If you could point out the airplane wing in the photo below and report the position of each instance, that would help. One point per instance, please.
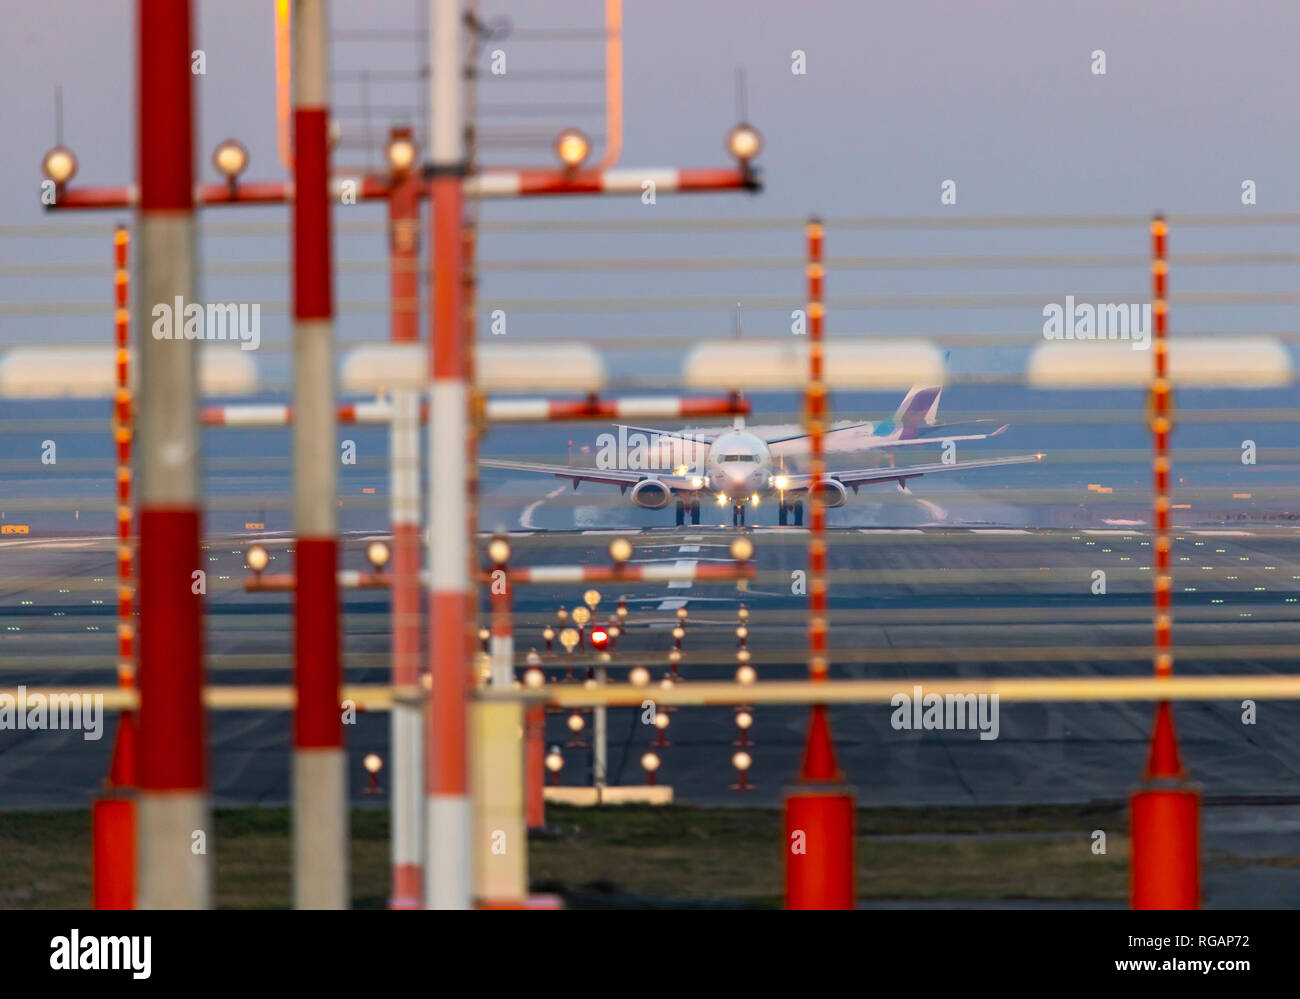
(608, 477)
(704, 435)
(858, 437)
(856, 478)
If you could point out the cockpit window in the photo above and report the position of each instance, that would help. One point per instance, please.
(740, 457)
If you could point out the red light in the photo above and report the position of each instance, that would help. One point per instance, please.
(599, 638)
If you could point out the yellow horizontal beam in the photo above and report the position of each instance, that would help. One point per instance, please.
(1126, 688)
(380, 697)
(366, 697)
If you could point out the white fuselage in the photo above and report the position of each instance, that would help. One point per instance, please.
(738, 466)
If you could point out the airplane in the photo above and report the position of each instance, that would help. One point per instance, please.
(740, 466)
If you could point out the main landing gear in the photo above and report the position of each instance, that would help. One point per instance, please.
(694, 508)
(783, 515)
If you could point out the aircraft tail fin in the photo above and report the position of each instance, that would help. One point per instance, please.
(918, 409)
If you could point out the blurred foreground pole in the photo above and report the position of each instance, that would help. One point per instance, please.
(175, 835)
(502, 645)
(1165, 869)
(449, 862)
(320, 799)
(819, 867)
(113, 814)
(407, 721)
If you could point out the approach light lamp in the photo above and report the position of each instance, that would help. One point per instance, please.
(499, 550)
(401, 152)
(377, 554)
(572, 147)
(744, 143)
(59, 165)
(257, 558)
(231, 159)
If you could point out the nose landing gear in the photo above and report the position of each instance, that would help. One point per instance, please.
(738, 515)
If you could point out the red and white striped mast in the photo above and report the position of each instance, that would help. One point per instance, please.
(448, 875)
(407, 721)
(113, 819)
(819, 865)
(173, 803)
(320, 799)
(1165, 840)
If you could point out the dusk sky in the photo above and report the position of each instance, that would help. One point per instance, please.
(997, 96)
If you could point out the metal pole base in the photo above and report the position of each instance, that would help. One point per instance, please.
(820, 872)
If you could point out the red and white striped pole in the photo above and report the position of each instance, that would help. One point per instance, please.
(407, 721)
(1165, 872)
(819, 866)
(173, 803)
(113, 819)
(320, 799)
(448, 875)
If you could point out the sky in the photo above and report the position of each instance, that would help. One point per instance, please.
(999, 96)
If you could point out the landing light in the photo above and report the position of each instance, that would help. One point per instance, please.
(780, 482)
(722, 499)
(754, 499)
(696, 482)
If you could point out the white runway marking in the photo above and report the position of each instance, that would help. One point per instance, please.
(890, 530)
(526, 518)
(683, 584)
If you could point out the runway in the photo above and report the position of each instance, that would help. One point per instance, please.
(905, 603)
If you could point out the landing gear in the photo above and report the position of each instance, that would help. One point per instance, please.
(681, 512)
(738, 515)
(783, 515)
(798, 514)
(695, 511)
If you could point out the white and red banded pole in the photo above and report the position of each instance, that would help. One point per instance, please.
(819, 867)
(503, 640)
(173, 804)
(407, 721)
(448, 825)
(320, 801)
(1165, 872)
(113, 813)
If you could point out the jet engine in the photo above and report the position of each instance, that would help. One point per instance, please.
(651, 494)
(833, 493)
